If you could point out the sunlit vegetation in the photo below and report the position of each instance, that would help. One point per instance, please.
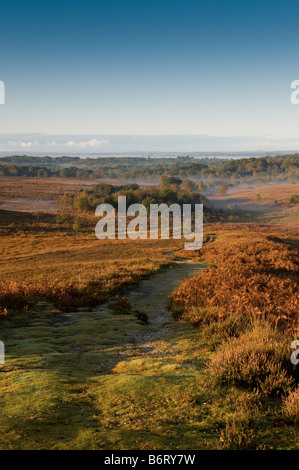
(251, 275)
(246, 306)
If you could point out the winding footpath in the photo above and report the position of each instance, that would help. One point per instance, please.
(79, 380)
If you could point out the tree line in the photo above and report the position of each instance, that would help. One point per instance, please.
(237, 171)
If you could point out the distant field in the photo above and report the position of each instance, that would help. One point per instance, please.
(47, 188)
(270, 203)
(26, 204)
(40, 188)
(269, 194)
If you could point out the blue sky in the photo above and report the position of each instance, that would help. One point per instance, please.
(216, 68)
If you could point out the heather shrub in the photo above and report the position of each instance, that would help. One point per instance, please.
(291, 406)
(68, 297)
(13, 296)
(200, 316)
(224, 328)
(257, 278)
(258, 359)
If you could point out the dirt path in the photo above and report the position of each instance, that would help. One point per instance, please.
(151, 297)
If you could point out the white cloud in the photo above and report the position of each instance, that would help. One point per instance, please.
(89, 143)
(92, 144)
(26, 144)
(21, 144)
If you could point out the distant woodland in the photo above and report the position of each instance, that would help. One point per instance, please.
(208, 170)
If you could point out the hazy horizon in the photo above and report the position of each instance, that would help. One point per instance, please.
(45, 144)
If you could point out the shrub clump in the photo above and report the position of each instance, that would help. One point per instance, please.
(121, 305)
(291, 406)
(19, 297)
(257, 359)
(142, 316)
